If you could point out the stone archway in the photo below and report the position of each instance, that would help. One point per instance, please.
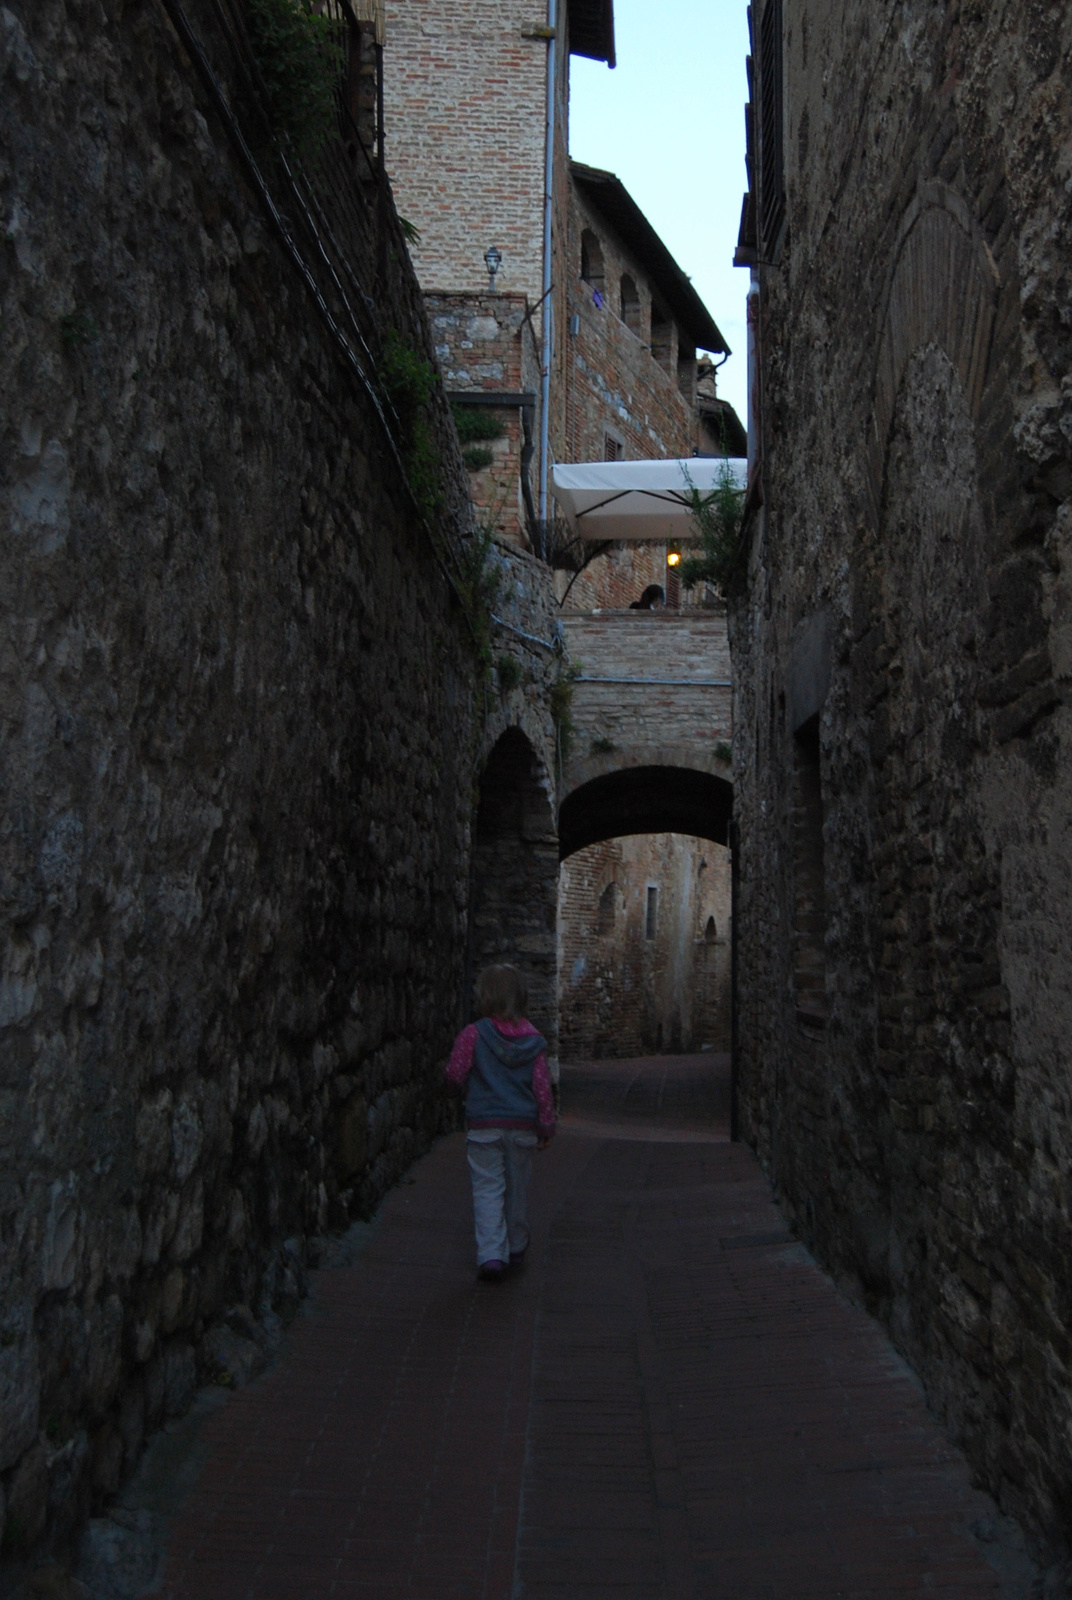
(514, 890)
(637, 976)
(648, 799)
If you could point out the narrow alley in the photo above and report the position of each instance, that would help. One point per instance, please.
(669, 1400)
(556, 512)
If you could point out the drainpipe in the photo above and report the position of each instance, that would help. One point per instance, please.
(548, 312)
(752, 304)
(735, 1037)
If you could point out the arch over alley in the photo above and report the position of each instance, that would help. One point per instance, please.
(660, 798)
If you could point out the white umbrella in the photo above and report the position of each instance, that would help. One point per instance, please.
(638, 499)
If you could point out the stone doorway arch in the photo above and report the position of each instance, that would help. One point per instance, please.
(513, 895)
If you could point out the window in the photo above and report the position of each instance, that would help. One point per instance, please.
(612, 448)
(710, 932)
(652, 912)
(809, 901)
(771, 151)
(592, 264)
(608, 906)
(662, 337)
(630, 304)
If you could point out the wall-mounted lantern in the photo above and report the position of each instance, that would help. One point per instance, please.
(493, 261)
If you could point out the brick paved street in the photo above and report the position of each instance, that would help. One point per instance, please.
(670, 1402)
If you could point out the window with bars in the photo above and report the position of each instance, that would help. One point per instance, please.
(612, 448)
(771, 135)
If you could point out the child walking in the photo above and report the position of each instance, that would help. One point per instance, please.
(500, 1063)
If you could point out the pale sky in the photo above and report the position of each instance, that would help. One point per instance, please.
(669, 120)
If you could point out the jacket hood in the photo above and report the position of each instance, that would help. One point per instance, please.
(511, 1052)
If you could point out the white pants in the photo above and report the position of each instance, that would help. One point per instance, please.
(500, 1165)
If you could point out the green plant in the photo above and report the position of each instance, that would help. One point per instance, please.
(479, 579)
(508, 672)
(717, 518)
(603, 747)
(409, 382)
(477, 456)
(475, 424)
(723, 752)
(560, 700)
(300, 56)
(78, 328)
(410, 232)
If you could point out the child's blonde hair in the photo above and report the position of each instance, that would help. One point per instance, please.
(501, 991)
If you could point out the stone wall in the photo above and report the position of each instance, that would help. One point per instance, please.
(514, 886)
(902, 730)
(238, 740)
(617, 722)
(636, 978)
(487, 343)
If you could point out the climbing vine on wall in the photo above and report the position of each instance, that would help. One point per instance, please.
(561, 705)
(409, 382)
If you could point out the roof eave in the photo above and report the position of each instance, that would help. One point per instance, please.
(591, 30)
(611, 198)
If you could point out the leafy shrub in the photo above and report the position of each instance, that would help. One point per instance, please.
(508, 672)
(717, 518)
(479, 582)
(475, 424)
(300, 57)
(477, 456)
(409, 382)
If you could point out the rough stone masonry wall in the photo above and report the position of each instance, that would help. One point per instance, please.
(909, 585)
(625, 990)
(487, 342)
(236, 729)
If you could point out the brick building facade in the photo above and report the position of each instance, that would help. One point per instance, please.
(466, 96)
(644, 947)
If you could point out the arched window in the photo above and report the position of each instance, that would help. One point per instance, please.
(608, 905)
(710, 932)
(662, 337)
(630, 304)
(592, 262)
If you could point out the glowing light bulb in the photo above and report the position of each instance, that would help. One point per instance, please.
(672, 558)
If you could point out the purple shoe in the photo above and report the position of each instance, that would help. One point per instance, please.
(490, 1271)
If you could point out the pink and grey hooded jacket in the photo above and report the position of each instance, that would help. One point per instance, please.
(502, 1067)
